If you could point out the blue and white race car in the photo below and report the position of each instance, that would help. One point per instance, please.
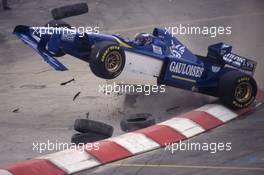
(221, 73)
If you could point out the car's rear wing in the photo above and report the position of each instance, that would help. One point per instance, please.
(25, 33)
(223, 51)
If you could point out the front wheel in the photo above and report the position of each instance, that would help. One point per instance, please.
(107, 60)
(237, 90)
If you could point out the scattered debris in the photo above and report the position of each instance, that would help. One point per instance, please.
(119, 93)
(172, 108)
(64, 83)
(106, 92)
(15, 110)
(75, 96)
(43, 71)
(87, 115)
(121, 112)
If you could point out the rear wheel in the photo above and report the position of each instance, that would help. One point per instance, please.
(107, 59)
(237, 89)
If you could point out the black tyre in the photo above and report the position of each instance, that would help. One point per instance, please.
(85, 125)
(57, 23)
(237, 90)
(69, 10)
(107, 59)
(84, 138)
(136, 121)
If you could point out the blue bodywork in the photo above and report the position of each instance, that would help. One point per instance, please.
(181, 68)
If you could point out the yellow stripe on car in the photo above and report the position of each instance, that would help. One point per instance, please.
(182, 78)
(122, 43)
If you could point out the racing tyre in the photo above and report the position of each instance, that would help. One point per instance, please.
(84, 138)
(136, 121)
(85, 125)
(237, 90)
(107, 59)
(69, 10)
(57, 23)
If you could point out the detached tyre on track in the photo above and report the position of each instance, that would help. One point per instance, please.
(136, 121)
(237, 90)
(107, 59)
(87, 126)
(69, 10)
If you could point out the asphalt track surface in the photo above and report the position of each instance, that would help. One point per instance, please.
(46, 110)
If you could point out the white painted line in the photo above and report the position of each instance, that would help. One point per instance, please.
(5, 172)
(135, 142)
(183, 125)
(219, 111)
(72, 161)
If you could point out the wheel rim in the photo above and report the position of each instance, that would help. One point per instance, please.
(243, 92)
(113, 61)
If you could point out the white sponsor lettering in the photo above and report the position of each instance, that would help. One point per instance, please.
(232, 58)
(216, 69)
(186, 69)
(67, 37)
(177, 50)
(157, 49)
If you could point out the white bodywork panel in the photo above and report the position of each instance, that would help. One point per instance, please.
(139, 69)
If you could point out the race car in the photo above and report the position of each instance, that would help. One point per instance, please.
(158, 54)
